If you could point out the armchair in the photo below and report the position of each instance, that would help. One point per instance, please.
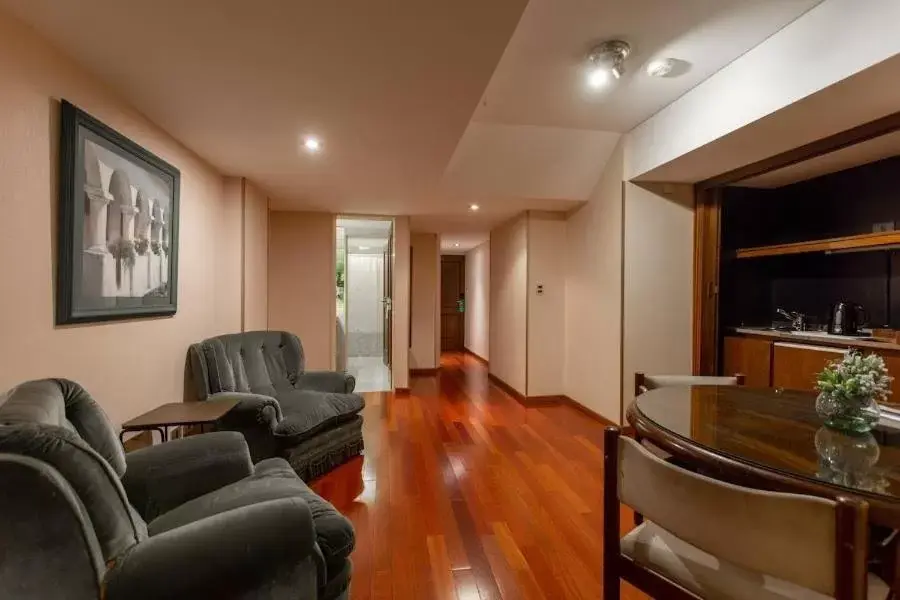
(191, 518)
(310, 418)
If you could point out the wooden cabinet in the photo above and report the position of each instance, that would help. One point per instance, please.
(750, 356)
(795, 366)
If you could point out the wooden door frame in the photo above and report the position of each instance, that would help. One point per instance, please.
(707, 228)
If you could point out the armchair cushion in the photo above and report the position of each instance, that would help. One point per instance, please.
(260, 550)
(162, 477)
(325, 381)
(306, 413)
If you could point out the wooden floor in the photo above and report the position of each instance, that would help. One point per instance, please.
(465, 494)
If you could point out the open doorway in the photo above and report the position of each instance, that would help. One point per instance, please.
(364, 279)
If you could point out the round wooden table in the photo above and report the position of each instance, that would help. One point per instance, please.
(772, 439)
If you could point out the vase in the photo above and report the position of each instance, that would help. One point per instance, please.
(853, 415)
(849, 460)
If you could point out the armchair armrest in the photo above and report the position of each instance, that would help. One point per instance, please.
(266, 548)
(159, 478)
(255, 416)
(325, 381)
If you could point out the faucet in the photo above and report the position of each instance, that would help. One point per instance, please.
(797, 319)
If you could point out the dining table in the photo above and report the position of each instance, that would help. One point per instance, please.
(773, 439)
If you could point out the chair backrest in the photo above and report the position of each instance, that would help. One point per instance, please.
(48, 548)
(806, 540)
(261, 362)
(643, 383)
(55, 421)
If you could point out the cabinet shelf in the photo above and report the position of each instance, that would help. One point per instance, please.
(850, 243)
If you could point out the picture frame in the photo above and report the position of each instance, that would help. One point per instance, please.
(117, 239)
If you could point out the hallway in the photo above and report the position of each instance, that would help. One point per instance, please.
(465, 494)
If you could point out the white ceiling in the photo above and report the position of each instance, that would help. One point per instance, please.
(423, 107)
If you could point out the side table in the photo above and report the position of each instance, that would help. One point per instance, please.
(175, 414)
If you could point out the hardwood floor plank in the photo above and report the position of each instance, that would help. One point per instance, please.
(465, 494)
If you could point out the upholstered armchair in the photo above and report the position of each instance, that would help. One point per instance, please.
(191, 518)
(310, 418)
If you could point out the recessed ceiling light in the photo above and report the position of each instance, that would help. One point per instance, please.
(456, 245)
(312, 144)
(474, 207)
(661, 67)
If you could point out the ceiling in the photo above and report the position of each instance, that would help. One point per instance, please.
(422, 109)
(853, 156)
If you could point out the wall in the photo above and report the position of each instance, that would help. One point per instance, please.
(478, 285)
(820, 48)
(659, 281)
(546, 311)
(365, 318)
(426, 335)
(301, 281)
(508, 300)
(255, 265)
(129, 366)
(593, 298)
(400, 352)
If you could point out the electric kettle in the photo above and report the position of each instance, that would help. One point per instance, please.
(847, 318)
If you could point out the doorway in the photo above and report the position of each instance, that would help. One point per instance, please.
(453, 302)
(364, 249)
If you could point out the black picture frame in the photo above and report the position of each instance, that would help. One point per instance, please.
(92, 244)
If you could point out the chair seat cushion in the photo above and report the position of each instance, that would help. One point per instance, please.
(306, 413)
(272, 479)
(705, 575)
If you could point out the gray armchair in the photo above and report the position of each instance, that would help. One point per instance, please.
(191, 518)
(310, 418)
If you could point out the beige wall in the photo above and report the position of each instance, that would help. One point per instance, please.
(593, 303)
(478, 284)
(255, 259)
(546, 311)
(659, 276)
(424, 300)
(301, 281)
(401, 305)
(129, 366)
(509, 286)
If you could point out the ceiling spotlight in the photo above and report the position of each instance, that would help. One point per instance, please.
(474, 207)
(605, 59)
(661, 67)
(312, 144)
(456, 245)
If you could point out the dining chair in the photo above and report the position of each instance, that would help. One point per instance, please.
(644, 383)
(705, 538)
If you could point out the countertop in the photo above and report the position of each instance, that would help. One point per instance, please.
(784, 336)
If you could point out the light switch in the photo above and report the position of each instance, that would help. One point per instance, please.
(540, 289)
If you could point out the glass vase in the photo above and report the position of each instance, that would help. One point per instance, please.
(853, 415)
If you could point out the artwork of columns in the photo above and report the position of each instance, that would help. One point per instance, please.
(125, 252)
(123, 214)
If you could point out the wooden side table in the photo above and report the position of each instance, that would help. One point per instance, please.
(175, 414)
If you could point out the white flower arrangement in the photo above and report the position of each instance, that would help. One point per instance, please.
(856, 376)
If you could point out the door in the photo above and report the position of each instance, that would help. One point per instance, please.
(387, 307)
(453, 290)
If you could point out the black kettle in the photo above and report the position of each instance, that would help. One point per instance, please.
(847, 318)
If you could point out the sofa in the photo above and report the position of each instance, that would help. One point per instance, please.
(191, 518)
(310, 418)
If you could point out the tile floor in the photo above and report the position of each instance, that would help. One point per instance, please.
(372, 375)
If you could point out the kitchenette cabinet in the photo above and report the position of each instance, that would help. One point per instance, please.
(795, 366)
(750, 356)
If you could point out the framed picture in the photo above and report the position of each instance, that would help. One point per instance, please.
(118, 226)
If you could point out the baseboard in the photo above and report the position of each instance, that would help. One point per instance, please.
(555, 400)
(506, 387)
(477, 357)
(424, 372)
(587, 411)
(401, 391)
